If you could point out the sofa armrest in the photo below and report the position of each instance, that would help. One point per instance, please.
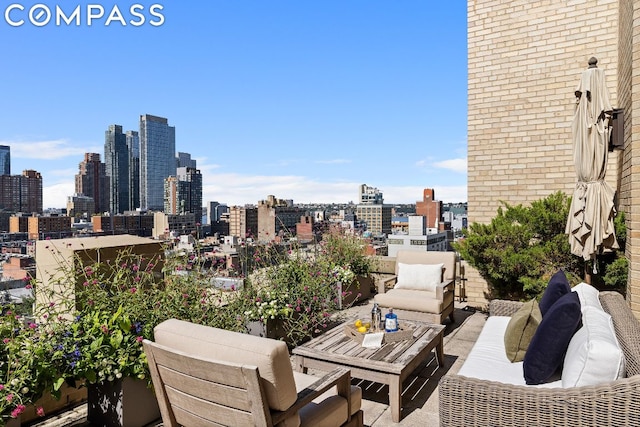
(386, 282)
(340, 377)
(472, 402)
(499, 307)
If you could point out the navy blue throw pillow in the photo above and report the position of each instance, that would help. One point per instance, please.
(549, 344)
(558, 286)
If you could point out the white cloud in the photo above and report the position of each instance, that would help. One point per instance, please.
(237, 189)
(454, 165)
(55, 196)
(333, 161)
(48, 150)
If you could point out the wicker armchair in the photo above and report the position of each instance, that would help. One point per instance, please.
(472, 402)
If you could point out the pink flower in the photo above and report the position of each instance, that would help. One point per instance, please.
(6, 341)
(32, 326)
(9, 397)
(139, 339)
(137, 278)
(40, 411)
(133, 290)
(1, 386)
(19, 409)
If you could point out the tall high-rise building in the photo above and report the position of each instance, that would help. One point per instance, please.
(133, 145)
(5, 160)
(116, 159)
(184, 161)
(21, 193)
(372, 211)
(172, 204)
(215, 210)
(92, 181)
(191, 189)
(157, 159)
(369, 195)
(183, 192)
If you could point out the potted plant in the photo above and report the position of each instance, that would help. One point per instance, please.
(99, 343)
(348, 252)
(23, 370)
(290, 288)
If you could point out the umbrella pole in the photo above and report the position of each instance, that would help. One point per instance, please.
(587, 274)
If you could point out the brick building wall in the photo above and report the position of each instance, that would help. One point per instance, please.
(629, 86)
(524, 61)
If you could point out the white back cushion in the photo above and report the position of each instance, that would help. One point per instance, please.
(588, 295)
(593, 356)
(422, 277)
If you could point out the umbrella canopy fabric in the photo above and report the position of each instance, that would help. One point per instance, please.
(590, 223)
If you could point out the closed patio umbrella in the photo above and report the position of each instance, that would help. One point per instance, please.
(590, 223)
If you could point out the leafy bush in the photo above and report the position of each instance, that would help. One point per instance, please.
(522, 247)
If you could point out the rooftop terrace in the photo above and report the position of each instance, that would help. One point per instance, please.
(420, 396)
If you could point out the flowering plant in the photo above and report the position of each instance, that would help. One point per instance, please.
(343, 274)
(293, 285)
(347, 250)
(23, 370)
(96, 333)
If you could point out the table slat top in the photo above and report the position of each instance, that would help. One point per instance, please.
(335, 346)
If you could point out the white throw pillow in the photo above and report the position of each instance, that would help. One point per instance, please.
(588, 295)
(422, 277)
(594, 355)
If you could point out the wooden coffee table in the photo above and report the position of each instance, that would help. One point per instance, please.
(391, 364)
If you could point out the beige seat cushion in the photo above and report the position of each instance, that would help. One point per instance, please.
(413, 300)
(328, 409)
(270, 356)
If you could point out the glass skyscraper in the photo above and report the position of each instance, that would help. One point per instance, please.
(157, 159)
(116, 159)
(133, 144)
(5, 160)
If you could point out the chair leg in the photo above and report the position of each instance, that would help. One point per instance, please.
(357, 420)
(451, 317)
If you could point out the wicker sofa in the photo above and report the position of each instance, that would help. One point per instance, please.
(469, 402)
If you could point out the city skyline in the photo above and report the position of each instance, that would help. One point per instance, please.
(302, 101)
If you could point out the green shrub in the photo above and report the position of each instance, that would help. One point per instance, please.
(519, 250)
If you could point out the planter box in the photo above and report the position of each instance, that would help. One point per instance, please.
(273, 328)
(123, 403)
(69, 398)
(360, 285)
(13, 422)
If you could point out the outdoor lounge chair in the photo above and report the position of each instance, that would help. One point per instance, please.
(209, 376)
(421, 290)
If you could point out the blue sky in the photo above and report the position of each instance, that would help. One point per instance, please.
(305, 100)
